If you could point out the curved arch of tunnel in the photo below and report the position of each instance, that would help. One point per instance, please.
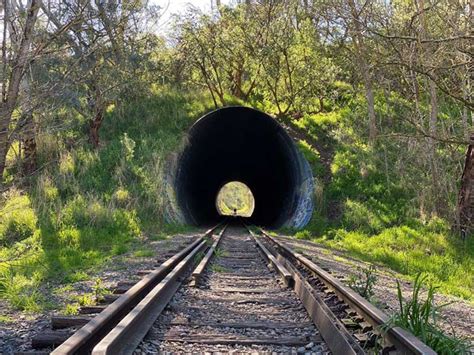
(238, 144)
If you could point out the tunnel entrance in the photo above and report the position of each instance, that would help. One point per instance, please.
(235, 199)
(246, 145)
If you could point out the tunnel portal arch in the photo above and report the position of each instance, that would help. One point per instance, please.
(242, 144)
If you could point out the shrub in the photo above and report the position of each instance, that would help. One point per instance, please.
(420, 316)
(17, 219)
(358, 216)
(121, 197)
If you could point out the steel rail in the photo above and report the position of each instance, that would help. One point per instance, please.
(286, 276)
(336, 336)
(404, 341)
(84, 340)
(198, 272)
(125, 336)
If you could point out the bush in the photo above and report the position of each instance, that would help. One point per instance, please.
(419, 316)
(121, 197)
(357, 216)
(17, 219)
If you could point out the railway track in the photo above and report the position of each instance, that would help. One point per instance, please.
(356, 321)
(236, 292)
(238, 306)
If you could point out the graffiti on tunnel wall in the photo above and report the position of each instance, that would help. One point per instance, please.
(305, 205)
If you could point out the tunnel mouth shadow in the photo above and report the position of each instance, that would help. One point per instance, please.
(246, 145)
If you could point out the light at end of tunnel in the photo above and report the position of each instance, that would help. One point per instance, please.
(235, 199)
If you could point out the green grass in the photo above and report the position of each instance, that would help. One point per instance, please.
(88, 206)
(143, 253)
(6, 319)
(410, 250)
(420, 316)
(373, 194)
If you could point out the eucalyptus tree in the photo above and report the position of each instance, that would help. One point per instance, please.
(101, 53)
(17, 37)
(26, 36)
(265, 50)
(425, 48)
(296, 75)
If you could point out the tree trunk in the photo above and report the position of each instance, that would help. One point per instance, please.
(465, 125)
(236, 88)
(29, 164)
(466, 194)
(362, 61)
(3, 143)
(97, 106)
(18, 65)
(94, 127)
(432, 146)
(465, 110)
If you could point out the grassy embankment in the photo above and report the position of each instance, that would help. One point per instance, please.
(86, 206)
(372, 192)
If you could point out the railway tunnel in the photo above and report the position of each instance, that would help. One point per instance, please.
(245, 145)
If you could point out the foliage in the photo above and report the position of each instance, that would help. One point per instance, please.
(364, 281)
(370, 206)
(420, 317)
(92, 205)
(99, 290)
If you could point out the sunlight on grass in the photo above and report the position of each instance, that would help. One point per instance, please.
(92, 205)
(446, 260)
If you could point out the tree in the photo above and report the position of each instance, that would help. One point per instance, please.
(465, 209)
(360, 50)
(17, 38)
(101, 46)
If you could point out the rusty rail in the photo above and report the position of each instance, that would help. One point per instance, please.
(404, 341)
(127, 334)
(84, 340)
(198, 272)
(285, 275)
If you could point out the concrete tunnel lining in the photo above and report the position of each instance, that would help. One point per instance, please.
(243, 144)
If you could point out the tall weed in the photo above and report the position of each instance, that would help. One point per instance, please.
(419, 315)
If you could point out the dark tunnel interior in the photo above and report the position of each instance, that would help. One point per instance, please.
(238, 144)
